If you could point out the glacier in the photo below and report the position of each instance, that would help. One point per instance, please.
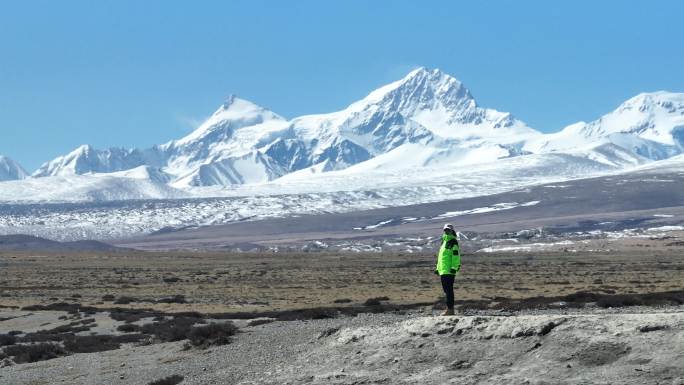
(332, 192)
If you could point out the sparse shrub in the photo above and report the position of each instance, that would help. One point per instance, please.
(666, 298)
(170, 380)
(175, 329)
(372, 302)
(581, 297)
(328, 332)
(125, 300)
(97, 343)
(130, 315)
(376, 301)
(342, 300)
(71, 308)
(618, 301)
(90, 344)
(108, 297)
(41, 336)
(36, 352)
(7, 339)
(652, 328)
(190, 314)
(73, 327)
(170, 279)
(174, 299)
(212, 334)
(128, 328)
(314, 313)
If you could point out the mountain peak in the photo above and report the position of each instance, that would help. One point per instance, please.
(423, 72)
(11, 170)
(230, 100)
(84, 148)
(423, 77)
(647, 101)
(428, 73)
(233, 114)
(235, 106)
(442, 104)
(421, 86)
(233, 102)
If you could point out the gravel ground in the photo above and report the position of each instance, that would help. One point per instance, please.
(590, 346)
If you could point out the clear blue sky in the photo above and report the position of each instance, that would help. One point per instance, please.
(137, 73)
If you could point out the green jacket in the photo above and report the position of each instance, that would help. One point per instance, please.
(449, 257)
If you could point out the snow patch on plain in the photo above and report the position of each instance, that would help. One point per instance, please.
(480, 210)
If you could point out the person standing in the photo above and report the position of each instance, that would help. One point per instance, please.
(448, 265)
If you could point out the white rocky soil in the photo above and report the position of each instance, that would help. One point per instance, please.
(636, 345)
(524, 349)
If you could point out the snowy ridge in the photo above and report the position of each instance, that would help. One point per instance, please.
(11, 170)
(649, 126)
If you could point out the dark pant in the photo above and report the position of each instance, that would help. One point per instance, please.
(448, 286)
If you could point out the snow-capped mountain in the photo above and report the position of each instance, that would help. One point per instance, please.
(87, 160)
(11, 170)
(245, 143)
(427, 109)
(647, 127)
(426, 119)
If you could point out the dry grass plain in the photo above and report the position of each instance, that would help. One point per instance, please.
(226, 282)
